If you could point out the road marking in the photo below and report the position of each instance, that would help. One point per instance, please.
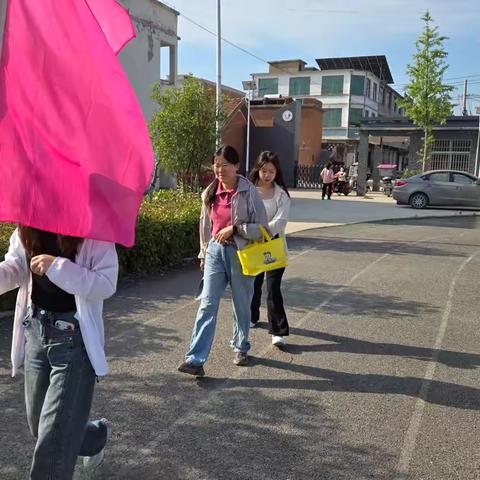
(416, 420)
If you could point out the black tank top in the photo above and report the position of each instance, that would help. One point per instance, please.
(46, 294)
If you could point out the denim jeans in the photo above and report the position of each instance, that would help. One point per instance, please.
(222, 267)
(59, 384)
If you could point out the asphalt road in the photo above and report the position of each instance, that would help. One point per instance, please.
(380, 379)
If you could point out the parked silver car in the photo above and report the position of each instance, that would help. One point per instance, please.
(438, 188)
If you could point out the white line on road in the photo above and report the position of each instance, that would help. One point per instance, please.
(416, 420)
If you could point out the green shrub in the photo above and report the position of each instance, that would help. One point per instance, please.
(167, 233)
(410, 173)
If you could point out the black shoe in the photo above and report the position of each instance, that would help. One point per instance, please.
(195, 370)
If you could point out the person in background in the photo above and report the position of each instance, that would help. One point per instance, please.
(327, 177)
(232, 212)
(267, 177)
(58, 333)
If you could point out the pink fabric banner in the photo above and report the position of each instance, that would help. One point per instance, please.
(75, 153)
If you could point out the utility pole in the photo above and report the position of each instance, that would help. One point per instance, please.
(464, 111)
(219, 70)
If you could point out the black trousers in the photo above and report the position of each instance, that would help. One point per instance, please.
(277, 318)
(327, 189)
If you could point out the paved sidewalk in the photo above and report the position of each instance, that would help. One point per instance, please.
(309, 211)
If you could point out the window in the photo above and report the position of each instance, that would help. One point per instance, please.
(356, 115)
(374, 96)
(439, 177)
(332, 85)
(357, 85)
(267, 86)
(381, 95)
(332, 117)
(369, 88)
(389, 100)
(463, 179)
(299, 86)
(451, 154)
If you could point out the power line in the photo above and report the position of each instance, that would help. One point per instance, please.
(475, 77)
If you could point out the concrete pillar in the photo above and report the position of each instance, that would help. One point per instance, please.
(377, 160)
(362, 163)
(173, 64)
(415, 146)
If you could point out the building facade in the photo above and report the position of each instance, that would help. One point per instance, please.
(154, 49)
(349, 88)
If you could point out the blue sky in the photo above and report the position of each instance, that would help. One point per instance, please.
(309, 29)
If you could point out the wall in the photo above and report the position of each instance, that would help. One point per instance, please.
(156, 25)
(310, 135)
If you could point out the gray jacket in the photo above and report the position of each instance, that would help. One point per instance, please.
(248, 212)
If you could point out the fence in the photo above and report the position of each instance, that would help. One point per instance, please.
(306, 176)
(451, 155)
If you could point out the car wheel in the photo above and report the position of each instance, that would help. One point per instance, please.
(418, 200)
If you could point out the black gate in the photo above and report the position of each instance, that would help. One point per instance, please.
(307, 176)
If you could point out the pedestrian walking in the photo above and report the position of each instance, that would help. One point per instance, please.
(267, 177)
(232, 212)
(327, 177)
(59, 334)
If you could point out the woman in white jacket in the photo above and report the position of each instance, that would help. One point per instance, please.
(267, 176)
(58, 333)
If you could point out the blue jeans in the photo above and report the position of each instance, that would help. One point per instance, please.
(222, 267)
(59, 383)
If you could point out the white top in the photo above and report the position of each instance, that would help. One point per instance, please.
(278, 208)
(91, 278)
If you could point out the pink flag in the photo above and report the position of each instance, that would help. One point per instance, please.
(75, 153)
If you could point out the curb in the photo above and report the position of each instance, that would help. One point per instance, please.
(460, 213)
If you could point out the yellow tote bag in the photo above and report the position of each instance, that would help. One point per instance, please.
(263, 256)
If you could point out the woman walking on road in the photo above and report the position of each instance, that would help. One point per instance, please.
(327, 177)
(232, 212)
(58, 333)
(268, 178)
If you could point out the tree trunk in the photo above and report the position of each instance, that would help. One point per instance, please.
(425, 152)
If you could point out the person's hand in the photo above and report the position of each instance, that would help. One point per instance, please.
(40, 264)
(224, 234)
(202, 264)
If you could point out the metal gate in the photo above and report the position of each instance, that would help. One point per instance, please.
(451, 155)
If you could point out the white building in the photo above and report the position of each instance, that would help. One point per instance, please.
(155, 47)
(349, 88)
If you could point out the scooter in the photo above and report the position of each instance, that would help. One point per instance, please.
(341, 187)
(387, 186)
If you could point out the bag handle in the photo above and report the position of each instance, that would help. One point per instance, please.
(266, 236)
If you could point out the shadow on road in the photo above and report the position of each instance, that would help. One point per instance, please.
(304, 293)
(339, 343)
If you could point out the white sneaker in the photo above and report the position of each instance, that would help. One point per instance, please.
(96, 460)
(278, 341)
(253, 325)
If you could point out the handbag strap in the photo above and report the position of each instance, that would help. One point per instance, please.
(266, 236)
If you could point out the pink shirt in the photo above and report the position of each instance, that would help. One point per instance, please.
(327, 176)
(221, 214)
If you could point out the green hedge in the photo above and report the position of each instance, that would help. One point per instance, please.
(167, 233)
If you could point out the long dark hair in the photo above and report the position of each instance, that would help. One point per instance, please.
(231, 156)
(32, 242)
(264, 158)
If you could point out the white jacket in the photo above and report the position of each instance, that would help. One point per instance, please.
(91, 278)
(278, 222)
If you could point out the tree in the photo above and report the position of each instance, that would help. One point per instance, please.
(183, 131)
(427, 101)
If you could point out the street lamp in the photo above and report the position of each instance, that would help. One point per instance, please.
(249, 86)
(219, 69)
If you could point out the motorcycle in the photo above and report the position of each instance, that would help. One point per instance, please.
(387, 186)
(341, 186)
